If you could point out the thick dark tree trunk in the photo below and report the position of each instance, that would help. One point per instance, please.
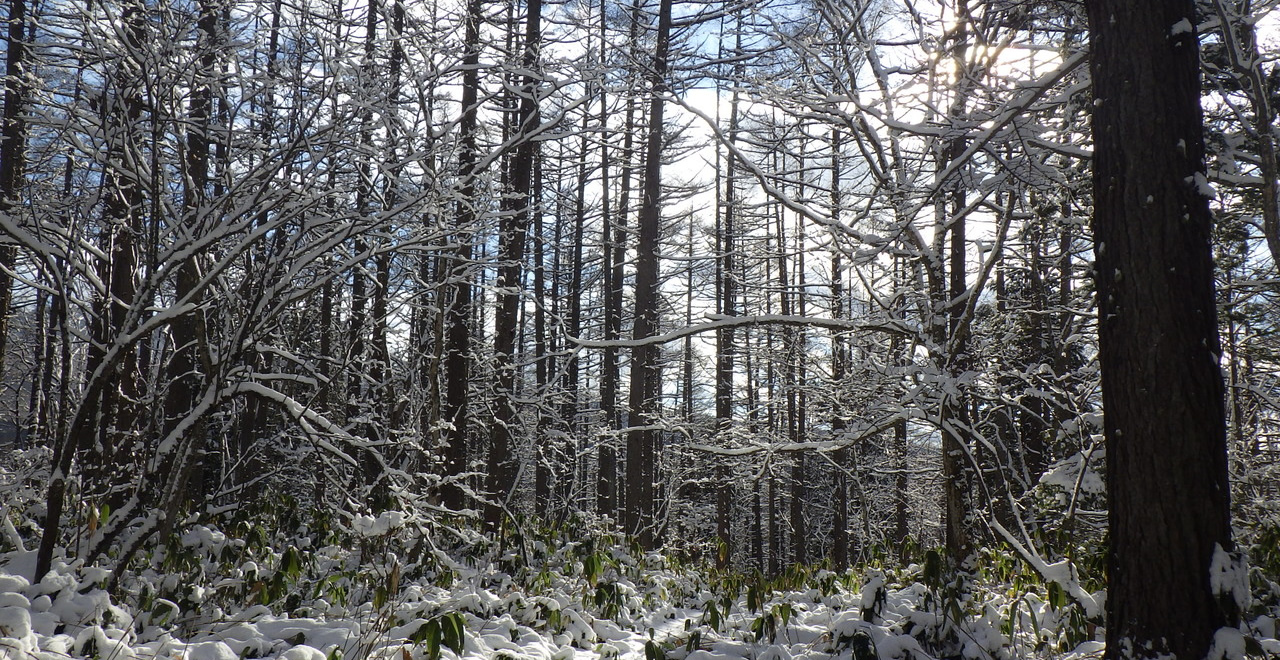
(898, 349)
(387, 414)
(839, 358)
(791, 283)
(542, 372)
(111, 447)
(1161, 383)
(901, 519)
(359, 394)
(753, 427)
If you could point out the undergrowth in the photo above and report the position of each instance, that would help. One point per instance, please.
(412, 586)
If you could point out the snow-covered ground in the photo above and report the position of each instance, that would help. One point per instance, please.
(414, 585)
(211, 595)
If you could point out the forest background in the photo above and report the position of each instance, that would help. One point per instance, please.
(763, 284)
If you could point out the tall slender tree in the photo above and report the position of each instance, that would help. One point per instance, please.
(512, 238)
(646, 385)
(458, 300)
(13, 145)
(726, 301)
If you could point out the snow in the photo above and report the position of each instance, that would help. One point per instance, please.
(812, 623)
(1265, 625)
(12, 583)
(302, 652)
(1228, 644)
(15, 628)
(106, 643)
(212, 650)
(1202, 186)
(1181, 27)
(1091, 648)
(873, 595)
(1076, 471)
(14, 600)
(543, 604)
(385, 522)
(1229, 577)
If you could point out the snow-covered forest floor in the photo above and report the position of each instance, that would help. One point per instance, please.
(284, 582)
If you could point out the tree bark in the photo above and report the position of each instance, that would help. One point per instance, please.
(726, 348)
(457, 359)
(645, 370)
(1158, 333)
(566, 453)
(956, 462)
(511, 247)
(839, 368)
(186, 373)
(607, 494)
(13, 146)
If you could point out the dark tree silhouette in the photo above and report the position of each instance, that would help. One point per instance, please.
(511, 248)
(1162, 388)
(13, 137)
(645, 371)
(457, 361)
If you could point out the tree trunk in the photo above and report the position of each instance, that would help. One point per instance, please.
(1162, 388)
(1238, 30)
(566, 454)
(645, 370)
(13, 147)
(109, 445)
(957, 472)
(726, 348)
(512, 238)
(111, 374)
(457, 358)
(839, 370)
(541, 346)
(607, 494)
(186, 372)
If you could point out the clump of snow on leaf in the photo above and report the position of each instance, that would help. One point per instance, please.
(386, 522)
(1229, 577)
(1077, 468)
(1228, 644)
